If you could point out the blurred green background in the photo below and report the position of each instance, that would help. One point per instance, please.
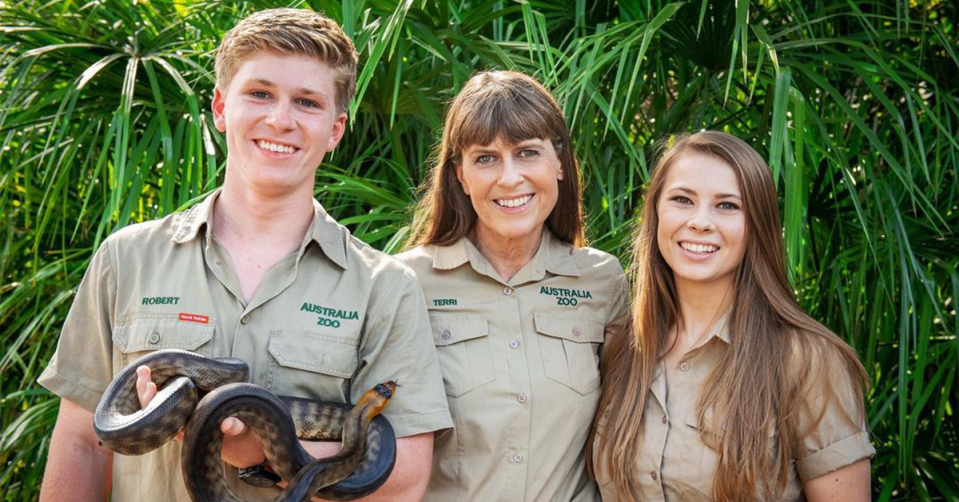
(105, 122)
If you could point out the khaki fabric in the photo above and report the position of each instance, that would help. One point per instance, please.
(675, 464)
(329, 321)
(521, 368)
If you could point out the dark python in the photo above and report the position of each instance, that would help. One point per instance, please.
(182, 378)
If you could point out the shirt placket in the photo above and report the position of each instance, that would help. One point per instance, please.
(518, 393)
(657, 428)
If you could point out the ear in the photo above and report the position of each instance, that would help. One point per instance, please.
(218, 105)
(559, 170)
(339, 127)
(459, 176)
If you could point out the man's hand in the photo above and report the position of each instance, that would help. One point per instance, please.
(240, 447)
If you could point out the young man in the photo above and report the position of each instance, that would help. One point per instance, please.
(257, 271)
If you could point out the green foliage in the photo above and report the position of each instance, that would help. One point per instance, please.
(105, 122)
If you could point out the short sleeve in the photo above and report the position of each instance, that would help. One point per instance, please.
(398, 346)
(82, 366)
(840, 437)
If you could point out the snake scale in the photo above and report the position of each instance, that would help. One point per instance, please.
(196, 393)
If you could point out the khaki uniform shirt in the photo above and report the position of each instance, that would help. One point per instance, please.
(675, 464)
(329, 321)
(520, 366)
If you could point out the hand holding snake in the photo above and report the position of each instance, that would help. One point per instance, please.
(240, 447)
(136, 415)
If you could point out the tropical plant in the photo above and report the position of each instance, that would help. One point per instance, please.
(104, 123)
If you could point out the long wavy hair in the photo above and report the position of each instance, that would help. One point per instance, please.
(495, 104)
(762, 380)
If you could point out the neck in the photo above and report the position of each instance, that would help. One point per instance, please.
(507, 256)
(257, 216)
(701, 304)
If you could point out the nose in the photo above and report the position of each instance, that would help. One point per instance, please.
(510, 176)
(700, 220)
(279, 116)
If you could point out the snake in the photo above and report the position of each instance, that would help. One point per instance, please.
(195, 393)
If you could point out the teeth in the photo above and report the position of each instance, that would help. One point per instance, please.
(273, 147)
(514, 202)
(698, 248)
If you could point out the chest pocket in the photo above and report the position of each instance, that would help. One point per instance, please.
(311, 364)
(569, 346)
(136, 335)
(704, 461)
(462, 346)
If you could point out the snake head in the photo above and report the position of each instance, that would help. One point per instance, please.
(386, 389)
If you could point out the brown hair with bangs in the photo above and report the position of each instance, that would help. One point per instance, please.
(291, 31)
(775, 360)
(495, 104)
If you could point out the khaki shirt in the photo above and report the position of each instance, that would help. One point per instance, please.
(329, 321)
(520, 366)
(675, 464)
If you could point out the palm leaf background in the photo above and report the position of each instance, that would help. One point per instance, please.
(105, 122)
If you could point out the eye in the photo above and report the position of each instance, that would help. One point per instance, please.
(484, 159)
(259, 94)
(681, 199)
(728, 206)
(307, 103)
(528, 153)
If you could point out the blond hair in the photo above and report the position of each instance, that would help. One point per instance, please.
(290, 31)
(766, 325)
(495, 104)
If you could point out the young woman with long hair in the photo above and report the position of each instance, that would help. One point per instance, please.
(518, 305)
(725, 389)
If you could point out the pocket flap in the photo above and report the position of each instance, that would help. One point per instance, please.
(574, 329)
(710, 424)
(316, 352)
(155, 331)
(448, 330)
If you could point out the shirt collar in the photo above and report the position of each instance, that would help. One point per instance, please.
(325, 231)
(330, 235)
(557, 257)
(194, 218)
(553, 254)
(721, 329)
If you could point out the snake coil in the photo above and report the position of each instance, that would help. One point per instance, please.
(360, 468)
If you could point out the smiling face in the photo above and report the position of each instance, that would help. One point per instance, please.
(280, 119)
(513, 188)
(702, 226)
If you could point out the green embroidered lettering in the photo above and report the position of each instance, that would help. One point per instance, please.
(313, 308)
(160, 300)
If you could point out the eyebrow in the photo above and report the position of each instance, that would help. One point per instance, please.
(718, 196)
(302, 90)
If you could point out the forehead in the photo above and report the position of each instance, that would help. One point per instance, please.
(704, 174)
(285, 69)
(502, 143)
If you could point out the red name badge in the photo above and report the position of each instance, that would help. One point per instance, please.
(202, 319)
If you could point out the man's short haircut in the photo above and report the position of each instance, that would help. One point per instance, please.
(290, 31)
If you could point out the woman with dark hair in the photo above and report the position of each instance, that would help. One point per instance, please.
(726, 389)
(519, 308)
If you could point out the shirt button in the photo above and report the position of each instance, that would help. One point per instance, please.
(653, 474)
(577, 332)
(507, 291)
(245, 319)
(154, 338)
(684, 367)
(445, 335)
(514, 343)
(517, 457)
(521, 398)
(664, 420)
